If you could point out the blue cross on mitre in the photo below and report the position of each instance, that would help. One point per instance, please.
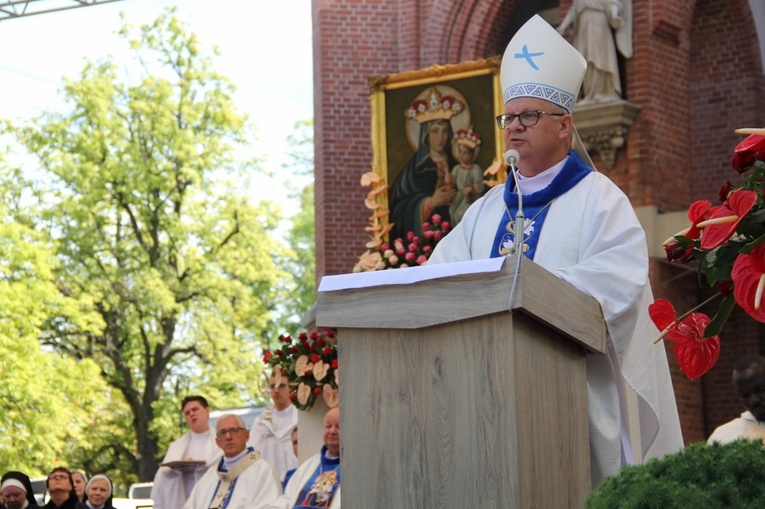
(526, 55)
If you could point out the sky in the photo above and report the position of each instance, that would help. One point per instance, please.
(265, 46)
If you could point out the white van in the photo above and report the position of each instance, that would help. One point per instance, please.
(38, 486)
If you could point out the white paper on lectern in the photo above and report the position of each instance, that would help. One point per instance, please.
(408, 275)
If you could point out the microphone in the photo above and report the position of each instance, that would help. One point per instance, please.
(512, 157)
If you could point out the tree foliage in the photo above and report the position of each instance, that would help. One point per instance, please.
(161, 273)
(39, 423)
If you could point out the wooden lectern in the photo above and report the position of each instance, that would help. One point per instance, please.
(451, 396)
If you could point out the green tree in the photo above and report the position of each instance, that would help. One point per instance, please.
(169, 269)
(48, 403)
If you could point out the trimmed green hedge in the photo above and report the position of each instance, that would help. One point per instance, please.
(698, 477)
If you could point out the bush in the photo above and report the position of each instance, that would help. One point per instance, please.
(701, 476)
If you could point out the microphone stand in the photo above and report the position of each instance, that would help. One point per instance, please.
(520, 226)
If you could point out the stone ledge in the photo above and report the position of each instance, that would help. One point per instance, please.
(604, 126)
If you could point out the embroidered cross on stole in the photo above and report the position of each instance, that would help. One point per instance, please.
(228, 478)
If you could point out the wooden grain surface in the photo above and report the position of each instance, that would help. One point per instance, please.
(469, 415)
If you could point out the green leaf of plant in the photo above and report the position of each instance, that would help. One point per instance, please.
(723, 312)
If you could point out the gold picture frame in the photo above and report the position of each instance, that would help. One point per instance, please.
(403, 104)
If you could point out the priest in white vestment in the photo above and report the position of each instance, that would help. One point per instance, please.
(582, 228)
(173, 484)
(271, 433)
(316, 483)
(242, 479)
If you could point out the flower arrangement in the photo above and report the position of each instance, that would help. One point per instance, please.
(728, 244)
(413, 251)
(309, 363)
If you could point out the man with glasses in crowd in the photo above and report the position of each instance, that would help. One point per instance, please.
(242, 479)
(581, 227)
(187, 458)
(60, 486)
(271, 433)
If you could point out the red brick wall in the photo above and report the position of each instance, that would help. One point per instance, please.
(696, 73)
(727, 90)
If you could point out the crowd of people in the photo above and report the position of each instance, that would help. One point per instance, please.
(229, 467)
(65, 488)
(232, 467)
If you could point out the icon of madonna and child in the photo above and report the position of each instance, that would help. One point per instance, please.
(442, 176)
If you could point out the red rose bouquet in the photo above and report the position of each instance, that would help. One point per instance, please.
(309, 363)
(728, 244)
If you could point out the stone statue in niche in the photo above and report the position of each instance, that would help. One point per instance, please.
(600, 28)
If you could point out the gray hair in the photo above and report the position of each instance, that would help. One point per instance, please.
(239, 421)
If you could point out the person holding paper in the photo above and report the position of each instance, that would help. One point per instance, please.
(581, 227)
(187, 458)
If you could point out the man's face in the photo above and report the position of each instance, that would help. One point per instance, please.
(59, 481)
(197, 416)
(331, 433)
(750, 387)
(230, 437)
(539, 145)
(14, 497)
(280, 393)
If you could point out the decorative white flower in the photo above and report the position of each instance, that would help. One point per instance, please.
(320, 370)
(302, 365)
(303, 393)
(331, 396)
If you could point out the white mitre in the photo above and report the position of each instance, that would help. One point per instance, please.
(539, 63)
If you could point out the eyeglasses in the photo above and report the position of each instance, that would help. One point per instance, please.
(58, 477)
(230, 431)
(525, 118)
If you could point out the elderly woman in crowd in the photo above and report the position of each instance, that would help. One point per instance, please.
(99, 492)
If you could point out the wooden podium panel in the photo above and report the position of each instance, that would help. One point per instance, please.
(486, 411)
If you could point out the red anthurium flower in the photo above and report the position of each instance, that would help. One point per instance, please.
(723, 223)
(749, 279)
(695, 353)
(749, 150)
(698, 211)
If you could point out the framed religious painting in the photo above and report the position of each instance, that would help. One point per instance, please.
(436, 146)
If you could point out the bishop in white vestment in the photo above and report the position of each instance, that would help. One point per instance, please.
(581, 227)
